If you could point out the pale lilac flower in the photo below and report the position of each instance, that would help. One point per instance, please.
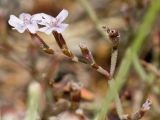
(24, 22)
(146, 105)
(53, 23)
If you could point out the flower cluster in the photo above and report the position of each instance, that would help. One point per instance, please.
(30, 23)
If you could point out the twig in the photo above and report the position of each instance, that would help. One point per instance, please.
(51, 71)
(151, 68)
(87, 56)
(114, 36)
(117, 100)
(140, 113)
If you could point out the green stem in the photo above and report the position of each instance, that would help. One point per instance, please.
(128, 58)
(90, 11)
(33, 101)
(118, 103)
(139, 69)
(117, 100)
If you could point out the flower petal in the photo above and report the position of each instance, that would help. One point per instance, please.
(21, 29)
(61, 27)
(46, 30)
(62, 16)
(16, 23)
(37, 17)
(24, 16)
(32, 27)
(46, 19)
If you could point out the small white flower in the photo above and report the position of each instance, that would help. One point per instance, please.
(25, 21)
(53, 23)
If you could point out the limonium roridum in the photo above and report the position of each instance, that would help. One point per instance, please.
(30, 23)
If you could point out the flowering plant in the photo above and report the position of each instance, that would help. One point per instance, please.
(48, 24)
(30, 23)
(24, 22)
(53, 24)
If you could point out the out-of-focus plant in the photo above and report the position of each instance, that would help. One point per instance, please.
(34, 92)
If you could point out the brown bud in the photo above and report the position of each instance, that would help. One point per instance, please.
(113, 35)
(75, 95)
(48, 50)
(67, 53)
(60, 40)
(86, 53)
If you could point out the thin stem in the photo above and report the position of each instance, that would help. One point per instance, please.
(140, 113)
(118, 103)
(90, 11)
(111, 82)
(88, 59)
(150, 67)
(139, 69)
(113, 36)
(113, 61)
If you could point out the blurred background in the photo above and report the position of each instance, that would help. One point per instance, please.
(21, 63)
